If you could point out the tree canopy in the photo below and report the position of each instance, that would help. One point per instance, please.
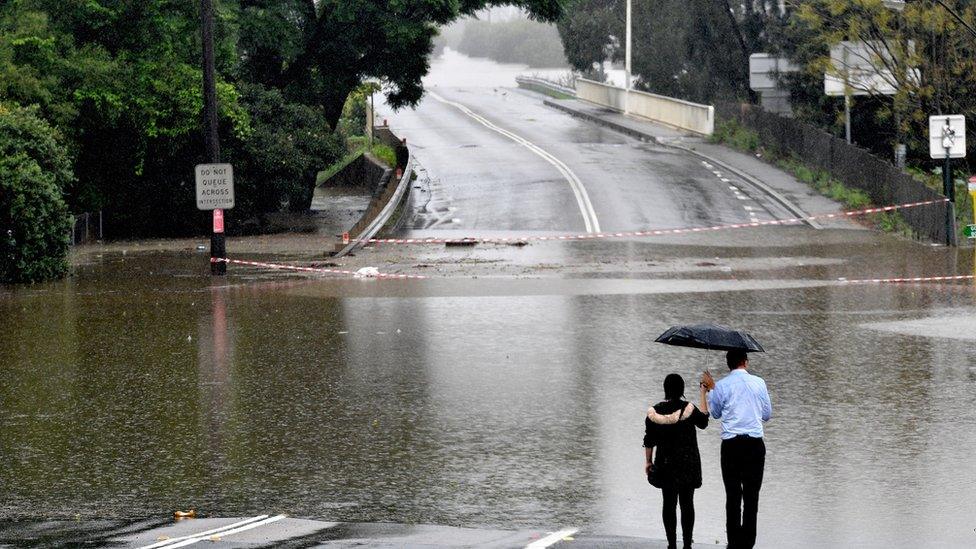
(121, 80)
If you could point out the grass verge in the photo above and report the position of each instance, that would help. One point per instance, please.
(357, 146)
(737, 136)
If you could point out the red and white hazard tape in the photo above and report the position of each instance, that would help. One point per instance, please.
(280, 266)
(908, 280)
(655, 232)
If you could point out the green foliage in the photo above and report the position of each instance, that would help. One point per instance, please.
(330, 172)
(355, 113)
(385, 154)
(34, 220)
(730, 132)
(517, 41)
(736, 135)
(279, 159)
(692, 49)
(346, 42)
(121, 81)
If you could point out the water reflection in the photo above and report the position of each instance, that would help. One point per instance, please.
(417, 403)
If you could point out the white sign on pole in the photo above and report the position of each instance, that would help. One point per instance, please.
(764, 69)
(947, 134)
(857, 69)
(215, 186)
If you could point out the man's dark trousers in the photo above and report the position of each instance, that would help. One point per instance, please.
(743, 462)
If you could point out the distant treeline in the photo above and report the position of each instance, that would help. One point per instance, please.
(517, 41)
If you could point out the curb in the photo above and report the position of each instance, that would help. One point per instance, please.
(601, 121)
(637, 134)
(748, 178)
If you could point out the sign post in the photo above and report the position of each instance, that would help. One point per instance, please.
(215, 191)
(972, 196)
(947, 140)
(211, 138)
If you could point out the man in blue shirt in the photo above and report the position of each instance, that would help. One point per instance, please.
(741, 401)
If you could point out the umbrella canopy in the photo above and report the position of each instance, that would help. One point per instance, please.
(710, 336)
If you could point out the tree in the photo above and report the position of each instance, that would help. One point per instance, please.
(692, 49)
(922, 52)
(34, 220)
(336, 44)
(589, 31)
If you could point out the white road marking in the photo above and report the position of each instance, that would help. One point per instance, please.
(551, 539)
(200, 537)
(725, 180)
(733, 187)
(582, 198)
(167, 542)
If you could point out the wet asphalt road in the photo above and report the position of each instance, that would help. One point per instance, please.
(482, 180)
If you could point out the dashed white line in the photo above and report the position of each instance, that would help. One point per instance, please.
(551, 539)
(582, 198)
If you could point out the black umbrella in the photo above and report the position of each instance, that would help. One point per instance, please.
(710, 336)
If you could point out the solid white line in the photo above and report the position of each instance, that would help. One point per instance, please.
(582, 198)
(225, 533)
(551, 539)
(167, 542)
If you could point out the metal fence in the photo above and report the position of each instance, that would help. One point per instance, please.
(87, 228)
(851, 165)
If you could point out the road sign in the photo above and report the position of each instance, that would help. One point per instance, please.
(858, 68)
(969, 231)
(947, 132)
(215, 186)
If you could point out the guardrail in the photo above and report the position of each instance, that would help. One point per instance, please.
(659, 108)
(531, 82)
(380, 209)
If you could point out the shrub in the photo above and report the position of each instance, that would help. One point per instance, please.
(34, 220)
(277, 163)
(385, 153)
(738, 136)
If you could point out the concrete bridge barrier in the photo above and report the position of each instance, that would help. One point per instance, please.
(677, 113)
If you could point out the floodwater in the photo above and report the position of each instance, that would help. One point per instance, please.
(141, 385)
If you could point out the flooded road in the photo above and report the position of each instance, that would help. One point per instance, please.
(506, 391)
(141, 386)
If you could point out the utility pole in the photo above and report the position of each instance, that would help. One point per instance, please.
(218, 249)
(627, 61)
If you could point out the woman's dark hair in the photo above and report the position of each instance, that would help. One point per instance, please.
(674, 387)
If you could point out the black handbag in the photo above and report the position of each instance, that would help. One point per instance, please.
(655, 477)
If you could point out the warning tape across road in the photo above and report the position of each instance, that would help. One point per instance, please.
(651, 232)
(356, 274)
(285, 267)
(912, 280)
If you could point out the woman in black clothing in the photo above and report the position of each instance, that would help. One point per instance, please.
(676, 469)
